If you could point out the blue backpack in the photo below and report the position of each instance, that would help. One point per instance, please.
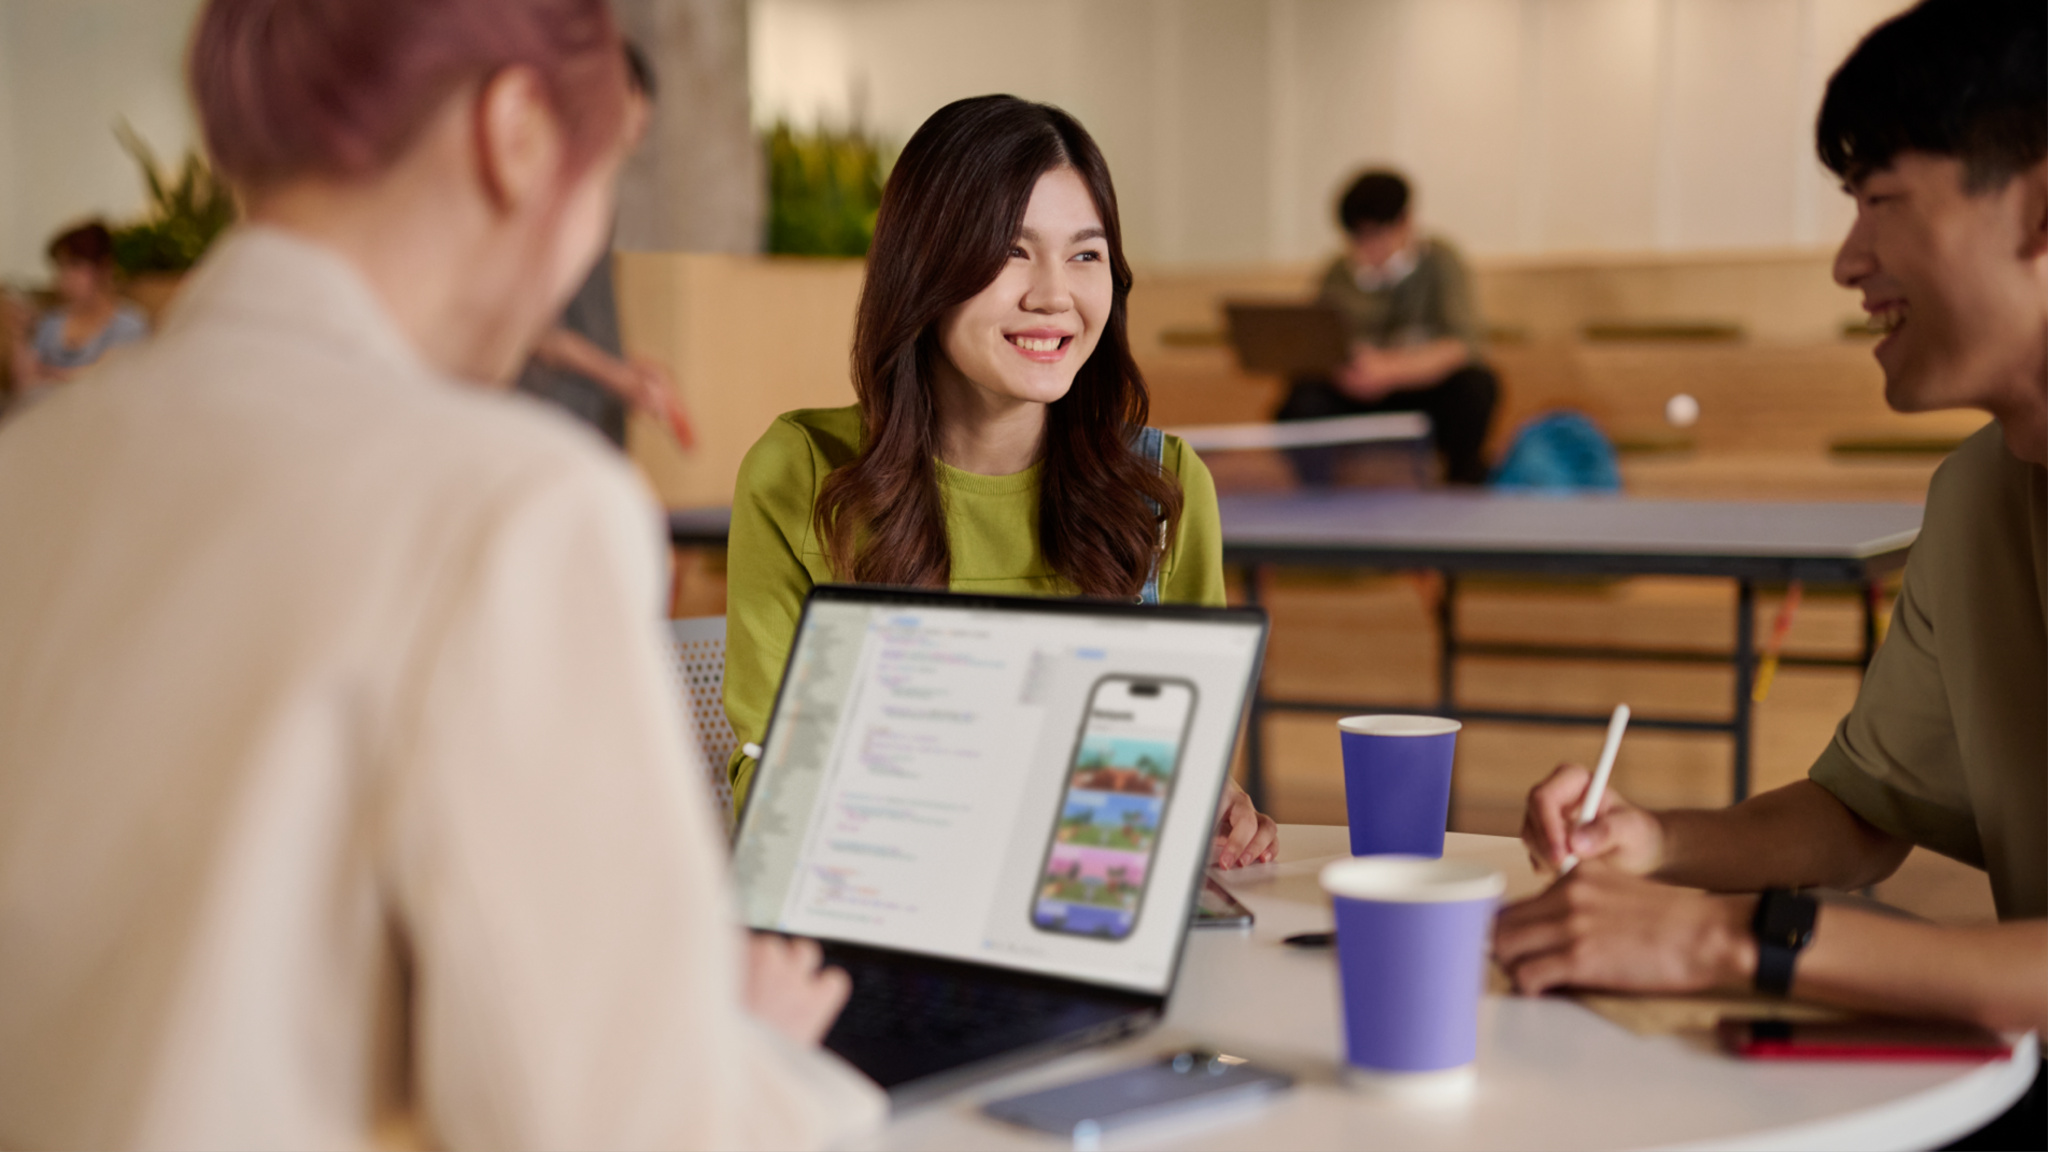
(1559, 452)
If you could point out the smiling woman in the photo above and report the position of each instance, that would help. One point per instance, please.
(1000, 443)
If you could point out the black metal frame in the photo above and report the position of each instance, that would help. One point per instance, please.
(1864, 573)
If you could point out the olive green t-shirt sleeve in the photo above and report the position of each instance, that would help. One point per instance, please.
(1456, 310)
(766, 580)
(1193, 572)
(1895, 760)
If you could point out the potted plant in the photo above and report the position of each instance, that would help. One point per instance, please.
(187, 210)
(824, 188)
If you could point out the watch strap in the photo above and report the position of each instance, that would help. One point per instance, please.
(1783, 926)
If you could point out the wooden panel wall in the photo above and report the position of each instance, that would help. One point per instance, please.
(749, 338)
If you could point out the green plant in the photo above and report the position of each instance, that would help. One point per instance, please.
(824, 188)
(186, 211)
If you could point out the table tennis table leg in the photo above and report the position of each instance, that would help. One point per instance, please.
(1447, 668)
(1745, 675)
(1447, 645)
(1255, 723)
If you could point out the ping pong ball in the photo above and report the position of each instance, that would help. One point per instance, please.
(1682, 411)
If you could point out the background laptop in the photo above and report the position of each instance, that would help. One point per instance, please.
(1287, 339)
(995, 812)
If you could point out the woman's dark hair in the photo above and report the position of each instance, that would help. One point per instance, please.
(640, 71)
(949, 216)
(89, 243)
(1374, 200)
(1960, 78)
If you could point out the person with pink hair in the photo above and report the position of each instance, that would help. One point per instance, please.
(344, 795)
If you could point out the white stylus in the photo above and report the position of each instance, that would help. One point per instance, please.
(1591, 807)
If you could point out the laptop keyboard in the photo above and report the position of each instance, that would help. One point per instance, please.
(908, 1004)
(905, 1021)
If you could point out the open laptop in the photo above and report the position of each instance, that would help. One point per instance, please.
(1287, 339)
(995, 812)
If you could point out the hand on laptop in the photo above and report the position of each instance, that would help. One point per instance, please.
(1244, 835)
(1625, 837)
(789, 991)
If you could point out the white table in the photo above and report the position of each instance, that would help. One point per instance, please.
(1551, 1073)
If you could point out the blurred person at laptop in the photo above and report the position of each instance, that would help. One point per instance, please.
(344, 797)
(1416, 336)
(996, 445)
(1938, 126)
(89, 320)
(578, 365)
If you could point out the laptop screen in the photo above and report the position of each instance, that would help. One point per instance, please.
(1023, 783)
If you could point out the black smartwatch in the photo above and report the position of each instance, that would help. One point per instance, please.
(1783, 925)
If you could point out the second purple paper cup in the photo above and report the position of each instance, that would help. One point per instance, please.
(1411, 960)
(1397, 782)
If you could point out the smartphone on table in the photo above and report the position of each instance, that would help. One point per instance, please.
(1874, 1039)
(1119, 781)
(1176, 1087)
(1217, 908)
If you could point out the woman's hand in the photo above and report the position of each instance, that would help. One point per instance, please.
(1625, 837)
(649, 388)
(1244, 835)
(789, 991)
(16, 317)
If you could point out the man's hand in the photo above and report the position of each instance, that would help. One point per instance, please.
(1627, 838)
(1364, 377)
(789, 992)
(1244, 835)
(1602, 928)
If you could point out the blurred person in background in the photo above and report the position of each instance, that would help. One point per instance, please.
(1937, 125)
(1416, 336)
(88, 321)
(578, 364)
(344, 792)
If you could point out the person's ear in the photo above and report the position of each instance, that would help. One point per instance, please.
(518, 140)
(2034, 211)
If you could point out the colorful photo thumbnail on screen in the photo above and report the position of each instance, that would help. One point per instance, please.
(1110, 820)
(1101, 877)
(1124, 764)
(1084, 920)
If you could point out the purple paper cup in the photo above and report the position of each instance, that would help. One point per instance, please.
(1411, 963)
(1397, 782)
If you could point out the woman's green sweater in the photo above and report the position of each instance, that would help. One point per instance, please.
(991, 526)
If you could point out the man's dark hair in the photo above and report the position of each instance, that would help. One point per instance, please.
(1960, 78)
(1374, 200)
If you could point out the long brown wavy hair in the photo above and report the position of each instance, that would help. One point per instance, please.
(951, 212)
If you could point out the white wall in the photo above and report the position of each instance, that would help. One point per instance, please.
(69, 69)
(1531, 126)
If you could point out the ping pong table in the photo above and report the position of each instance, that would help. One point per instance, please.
(1460, 533)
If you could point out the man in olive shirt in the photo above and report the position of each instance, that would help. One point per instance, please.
(1938, 125)
(1407, 303)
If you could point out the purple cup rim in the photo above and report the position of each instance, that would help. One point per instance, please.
(1393, 879)
(1396, 724)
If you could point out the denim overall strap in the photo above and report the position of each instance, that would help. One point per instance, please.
(1152, 446)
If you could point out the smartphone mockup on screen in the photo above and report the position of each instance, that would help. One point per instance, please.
(1119, 781)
